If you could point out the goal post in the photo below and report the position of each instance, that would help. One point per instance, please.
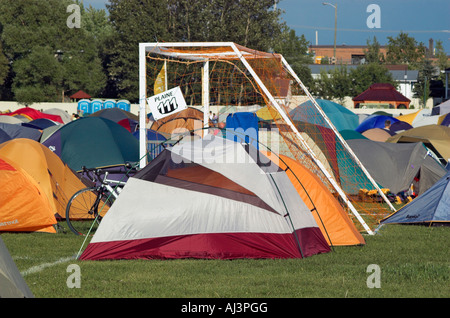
(225, 77)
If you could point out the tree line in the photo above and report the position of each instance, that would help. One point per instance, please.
(42, 59)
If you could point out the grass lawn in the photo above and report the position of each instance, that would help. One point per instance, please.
(413, 262)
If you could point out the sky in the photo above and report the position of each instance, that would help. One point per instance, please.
(420, 19)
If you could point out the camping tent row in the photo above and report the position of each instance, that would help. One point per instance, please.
(406, 160)
(38, 179)
(336, 236)
(27, 114)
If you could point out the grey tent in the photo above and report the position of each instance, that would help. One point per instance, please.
(430, 208)
(12, 284)
(18, 131)
(394, 166)
(10, 119)
(441, 109)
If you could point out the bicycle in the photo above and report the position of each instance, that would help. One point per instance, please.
(88, 206)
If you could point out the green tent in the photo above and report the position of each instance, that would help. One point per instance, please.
(93, 142)
(341, 117)
(351, 134)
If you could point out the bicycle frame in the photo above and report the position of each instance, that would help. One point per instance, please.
(106, 183)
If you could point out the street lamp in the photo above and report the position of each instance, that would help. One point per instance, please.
(335, 25)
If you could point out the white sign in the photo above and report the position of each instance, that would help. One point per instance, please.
(166, 103)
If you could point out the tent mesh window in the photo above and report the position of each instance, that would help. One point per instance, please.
(241, 79)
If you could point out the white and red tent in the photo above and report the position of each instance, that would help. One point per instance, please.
(209, 198)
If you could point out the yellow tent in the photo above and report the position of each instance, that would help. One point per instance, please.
(408, 118)
(435, 137)
(336, 226)
(265, 114)
(422, 117)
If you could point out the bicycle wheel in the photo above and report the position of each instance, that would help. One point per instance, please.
(85, 210)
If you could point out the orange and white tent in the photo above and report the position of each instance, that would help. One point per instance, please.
(335, 224)
(209, 198)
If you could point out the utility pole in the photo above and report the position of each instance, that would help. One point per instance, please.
(335, 27)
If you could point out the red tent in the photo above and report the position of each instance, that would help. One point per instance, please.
(32, 114)
(80, 95)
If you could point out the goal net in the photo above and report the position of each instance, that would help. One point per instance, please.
(224, 78)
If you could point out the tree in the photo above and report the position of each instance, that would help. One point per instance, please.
(373, 54)
(365, 75)
(252, 23)
(295, 50)
(442, 59)
(422, 87)
(334, 84)
(339, 82)
(133, 22)
(4, 66)
(38, 77)
(37, 39)
(404, 49)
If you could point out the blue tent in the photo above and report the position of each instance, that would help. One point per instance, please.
(341, 117)
(40, 123)
(243, 127)
(374, 121)
(431, 207)
(399, 126)
(4, 136)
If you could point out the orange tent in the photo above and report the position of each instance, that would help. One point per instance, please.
(24, 206)
(181, 122)
(56, 180)
(336, 226)
(377, 134)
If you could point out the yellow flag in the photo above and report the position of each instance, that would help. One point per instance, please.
(160, 82)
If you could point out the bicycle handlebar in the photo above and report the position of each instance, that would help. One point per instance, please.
(94, 173)
(88, 171)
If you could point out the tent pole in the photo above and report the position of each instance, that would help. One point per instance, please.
(289, 217)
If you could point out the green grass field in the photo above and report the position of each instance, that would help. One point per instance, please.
(413, 262)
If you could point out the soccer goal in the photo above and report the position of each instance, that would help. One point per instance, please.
(223, 77)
